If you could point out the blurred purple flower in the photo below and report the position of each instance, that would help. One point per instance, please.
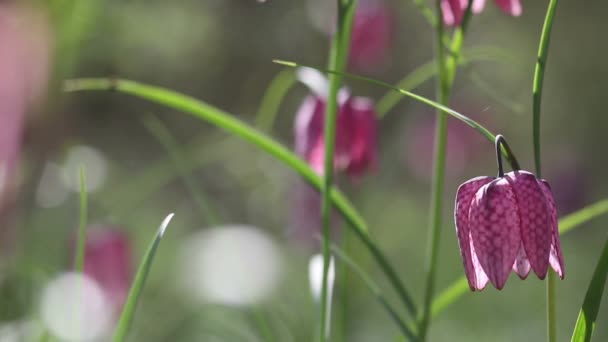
(107, 260)
(453, 10)
(371, 35)
(24, 66)
(356, 134)
(507, 223)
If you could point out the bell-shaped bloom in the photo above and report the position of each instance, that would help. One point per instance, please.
(356, 126)
(107, 260)
(507, 223)
(453, 10)
(371, 35)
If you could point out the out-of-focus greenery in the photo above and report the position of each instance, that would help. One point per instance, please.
(221, 52)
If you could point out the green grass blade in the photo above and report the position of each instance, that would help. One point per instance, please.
(276, 91)
(234, 126)
(566, 224)
(82, 228)
(585, 324)
(470, 122)
(128, 312)
(477, 126)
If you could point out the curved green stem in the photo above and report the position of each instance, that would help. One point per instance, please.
(428, 70)
(537, 91)
(236, 127)
(446, 65)
(271, 101)
(337, 61)
(470, 122)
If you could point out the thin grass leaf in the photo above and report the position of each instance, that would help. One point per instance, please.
(566, 224)
(128, 312)
(234, 126)
(470, 122)
(276, 91)
(82, 228)
(585, 324)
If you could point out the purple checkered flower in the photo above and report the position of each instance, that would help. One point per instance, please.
(507, 223)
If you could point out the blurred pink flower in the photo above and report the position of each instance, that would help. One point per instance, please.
(24, 67)
(453, 10)
(371, 35)
(507, 223)
(107, 260)
(356, 135)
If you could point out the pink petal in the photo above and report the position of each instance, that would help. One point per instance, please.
(556, 259)
(449, 17)
(464, 195)
(308, 125)
(478, 6)
(494, 225)
(522, 264)
(511, 7)
(481, 279)
(535, 219)
(361, 129)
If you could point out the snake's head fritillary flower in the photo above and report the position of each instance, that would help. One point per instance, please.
(507, 223)
(355, 150)
(371, 35)
(453, 10)
(107, 260)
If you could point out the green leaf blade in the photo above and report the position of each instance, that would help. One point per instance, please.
(128, 312)
(585, 324)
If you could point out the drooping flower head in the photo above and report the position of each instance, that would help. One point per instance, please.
(372, 32)
(371, 35)
(355, 150)
(453, 10)
(507, 223)
(107, 260)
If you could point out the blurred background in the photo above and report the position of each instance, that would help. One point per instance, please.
(234, 265)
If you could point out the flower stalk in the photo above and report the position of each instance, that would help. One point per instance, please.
(446, 67)
(337, 61)
(537, 91)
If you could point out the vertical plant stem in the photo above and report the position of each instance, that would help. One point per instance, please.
(337, 61)
(446, 66)
(537, 91)
(82, 227)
